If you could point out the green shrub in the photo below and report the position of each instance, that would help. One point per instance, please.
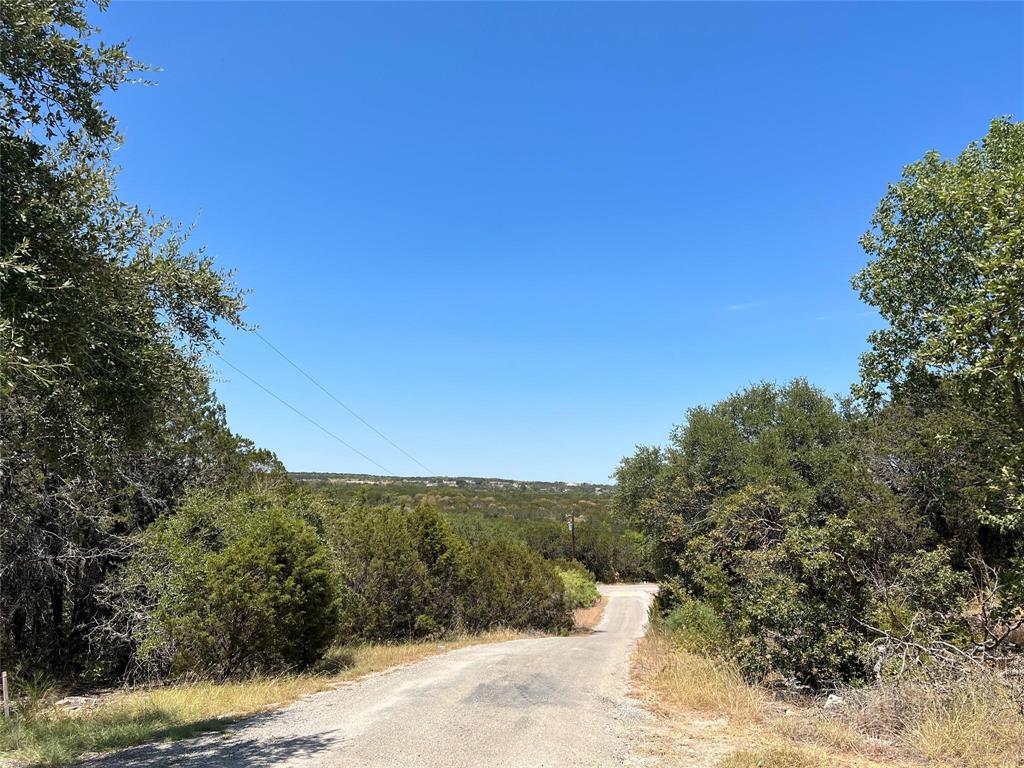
(764, 510)
(406, 573)
(268, 603)
(231, 586)
(778, 583)
(383, 582)
(696, 627)
(260, 582)
(449, 571)
(580, 588)
(924, 599)
(516, 588)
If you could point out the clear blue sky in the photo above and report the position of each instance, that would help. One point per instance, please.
(520, 239)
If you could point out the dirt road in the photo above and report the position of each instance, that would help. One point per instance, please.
(553, 702)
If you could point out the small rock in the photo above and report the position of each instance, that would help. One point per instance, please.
(834, 702)
(71, 703)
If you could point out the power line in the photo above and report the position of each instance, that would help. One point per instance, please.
(327, 392)
(315, 423)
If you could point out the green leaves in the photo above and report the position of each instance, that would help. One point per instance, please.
(55, 71)
(106, 414)
(232, 585)
(764, 506)
(947, 273)
(405, 573)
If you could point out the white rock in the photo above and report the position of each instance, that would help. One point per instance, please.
(834, 702)
(72, 703)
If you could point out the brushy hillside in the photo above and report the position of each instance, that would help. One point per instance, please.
(536, 514)
(463, 482)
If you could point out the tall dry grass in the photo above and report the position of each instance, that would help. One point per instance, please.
(973, 721)
(684, 680)
(779, 756)
(969, 722)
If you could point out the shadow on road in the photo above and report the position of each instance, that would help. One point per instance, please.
(232, 749)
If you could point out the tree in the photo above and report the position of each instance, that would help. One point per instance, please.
(447, 561)
(233, 584)
(384, 585)
(53, 73)
(947, 274)
(106, 414)
(515, 587)
(764, 514)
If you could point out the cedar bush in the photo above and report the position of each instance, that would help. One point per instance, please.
(515, 587)
(230, 586)
(382, 581)
(267, 603)
(263, 581)
(406, 573)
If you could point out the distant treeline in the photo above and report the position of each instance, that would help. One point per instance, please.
(537, 516)
(479, 483)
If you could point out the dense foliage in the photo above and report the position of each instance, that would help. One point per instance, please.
(406, 573)
(813, 539)
(106, 415)
(535, 515)
(761, 507)
(228, 585)
(580, 589)
(265, 579)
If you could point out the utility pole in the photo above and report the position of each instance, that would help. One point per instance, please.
(572, 529)
(3, 634)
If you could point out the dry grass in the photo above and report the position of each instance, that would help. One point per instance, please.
(589, 618)
(837, 734)
(972, 722)
(351, 662)
(881, 726)
(779, 756)
(686, 681)
(49, 736)
(969, 734)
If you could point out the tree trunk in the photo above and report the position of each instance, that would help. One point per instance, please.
(1018, 399)
(57, 617)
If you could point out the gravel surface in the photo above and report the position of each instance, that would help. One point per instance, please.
(553, 702)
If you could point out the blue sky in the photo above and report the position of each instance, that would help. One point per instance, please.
(520, 239)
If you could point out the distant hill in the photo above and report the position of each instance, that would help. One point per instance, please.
(472, 483)
(489, 497)
(535, 513)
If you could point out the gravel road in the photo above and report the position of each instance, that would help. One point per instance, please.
(553, 702)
